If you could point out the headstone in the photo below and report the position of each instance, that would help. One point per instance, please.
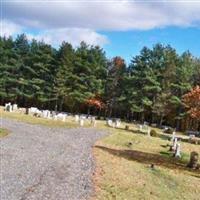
(93, 121)
(149, 131)
(110, 122)
(174, 143)
(117, 123)
(193, 139)
(178, 151)
(173, 135)
(14, 107)
(141, 128)
(61, 116)
(81, 122)
(194, 156)
(8, 107)
(76, 118)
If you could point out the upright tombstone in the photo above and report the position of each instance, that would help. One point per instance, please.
(149, 131)
(61, 116)
(141, 128)
(93, 121)
(194, 156)
(117, 123)
(81, 122)
(173, 135)
(174, 143)
(8, 107)
(110, 122)
(178, 151)
(44, 113)
(76, 118)
(14, 107)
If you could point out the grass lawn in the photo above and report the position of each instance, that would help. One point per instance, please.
(35, 120)
(123, 163)
(3, 132)
(123, 169)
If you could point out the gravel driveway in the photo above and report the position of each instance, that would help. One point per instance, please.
(43, 163)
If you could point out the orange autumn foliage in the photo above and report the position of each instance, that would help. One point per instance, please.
(118, 61)
(95, 102)
(192, 102)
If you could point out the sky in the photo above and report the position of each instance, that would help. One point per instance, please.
(120, 27)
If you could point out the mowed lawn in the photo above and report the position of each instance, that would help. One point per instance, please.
(124, 172)
(123, 163)
(70, 123)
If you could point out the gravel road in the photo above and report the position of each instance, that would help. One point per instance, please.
(41, 163)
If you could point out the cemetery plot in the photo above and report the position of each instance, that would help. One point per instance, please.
(131, 165)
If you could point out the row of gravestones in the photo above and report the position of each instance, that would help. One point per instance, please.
(51, 114)
(176, 147)
(46, 114)
(80, 119)
(114, 123)
(10, 107)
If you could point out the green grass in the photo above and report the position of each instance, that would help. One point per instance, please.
(3, 132)
(124, 159)
(70, 123)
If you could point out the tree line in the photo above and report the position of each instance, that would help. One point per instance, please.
(83, 79)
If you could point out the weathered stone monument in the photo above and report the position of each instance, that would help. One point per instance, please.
(76, 118)
(149, 131)
(8, 107)
(194, 156)
(173, 135)
(110, 122)
(81, 121)
(174, 143)
(14, 107)
(178, 151)
(93, 121)
(117, 123)
(140, 128)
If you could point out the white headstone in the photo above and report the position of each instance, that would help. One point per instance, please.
(174, 143)
(148, 131)
(93, 121)
(110, 122)
(191, 138)
(76, 118)
(117, 123)
(61, 116)
(178, 151)
(81, 122)
(141, 127)
(8, 107)
(173, 135)
(14, 107)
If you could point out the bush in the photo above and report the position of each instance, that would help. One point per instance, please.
(169, 130)
(153, 133)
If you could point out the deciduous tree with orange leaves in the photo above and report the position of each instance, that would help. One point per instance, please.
(192, 102)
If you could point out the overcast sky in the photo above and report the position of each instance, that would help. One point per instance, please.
(107, 23)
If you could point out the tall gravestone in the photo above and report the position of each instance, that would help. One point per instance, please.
(194, 157)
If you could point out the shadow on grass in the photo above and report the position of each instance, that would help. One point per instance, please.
(149, 158)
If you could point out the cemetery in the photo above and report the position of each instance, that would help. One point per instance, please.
(132, 159)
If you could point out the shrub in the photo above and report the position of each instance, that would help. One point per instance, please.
(169, 130)
(153, 133)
